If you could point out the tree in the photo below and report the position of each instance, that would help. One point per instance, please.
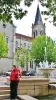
(22, 56)
(51, 6)
(9, 7)
(38, 49)
(3, 46)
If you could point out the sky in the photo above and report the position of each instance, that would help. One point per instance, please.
(24, 26)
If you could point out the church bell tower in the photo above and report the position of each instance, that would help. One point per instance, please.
(38, 27)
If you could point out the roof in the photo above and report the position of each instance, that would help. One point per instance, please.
(20, 36)
(38, 16)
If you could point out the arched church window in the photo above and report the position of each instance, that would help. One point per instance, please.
(34, 34)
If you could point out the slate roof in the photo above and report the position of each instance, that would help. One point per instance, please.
(38, 16)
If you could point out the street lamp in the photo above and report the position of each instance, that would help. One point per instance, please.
(45, 55)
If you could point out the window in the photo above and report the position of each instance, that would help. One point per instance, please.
(41, 32)
(4, 25)
(38, 32)
(16, 44)
(7, 39)
(34, 34)
(31, 64)
(24, 44)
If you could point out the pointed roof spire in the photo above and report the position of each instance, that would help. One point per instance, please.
(38, 16)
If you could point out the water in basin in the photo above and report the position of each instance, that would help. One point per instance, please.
(47, 97)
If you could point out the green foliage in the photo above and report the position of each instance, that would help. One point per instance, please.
(51, 6)
(22, 56)
(9, 7)
(3, 46)
(38, 49)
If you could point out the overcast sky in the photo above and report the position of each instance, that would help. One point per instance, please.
(24, 25)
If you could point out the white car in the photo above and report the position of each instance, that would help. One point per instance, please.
(8, 73)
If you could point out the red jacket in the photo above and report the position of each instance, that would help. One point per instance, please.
(15, 74)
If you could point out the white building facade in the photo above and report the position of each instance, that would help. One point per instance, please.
(26, 42)
(9, 31)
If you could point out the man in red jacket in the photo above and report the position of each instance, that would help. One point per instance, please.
(14, 80)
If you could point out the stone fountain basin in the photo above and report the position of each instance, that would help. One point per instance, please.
(46, 71)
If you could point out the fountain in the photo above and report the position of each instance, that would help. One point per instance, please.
(53, 74)
(44, 67)
(39, 73)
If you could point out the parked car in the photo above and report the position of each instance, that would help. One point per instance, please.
(8, 73)
(29, 73)
(24, 73)
(32, 73)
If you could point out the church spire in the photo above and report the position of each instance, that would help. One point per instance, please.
(38, 17)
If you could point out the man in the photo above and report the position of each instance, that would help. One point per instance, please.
(14, 80)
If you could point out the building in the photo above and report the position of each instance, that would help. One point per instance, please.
(9, 30)
(16, 40)
(23, 41)
(38, 27)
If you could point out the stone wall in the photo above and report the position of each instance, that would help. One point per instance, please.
(52, 88)
(33, 86)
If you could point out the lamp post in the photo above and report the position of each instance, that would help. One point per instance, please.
(45, 49)
(45, 55)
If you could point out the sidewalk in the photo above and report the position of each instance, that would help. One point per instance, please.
(3, 78)
(3, 81)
